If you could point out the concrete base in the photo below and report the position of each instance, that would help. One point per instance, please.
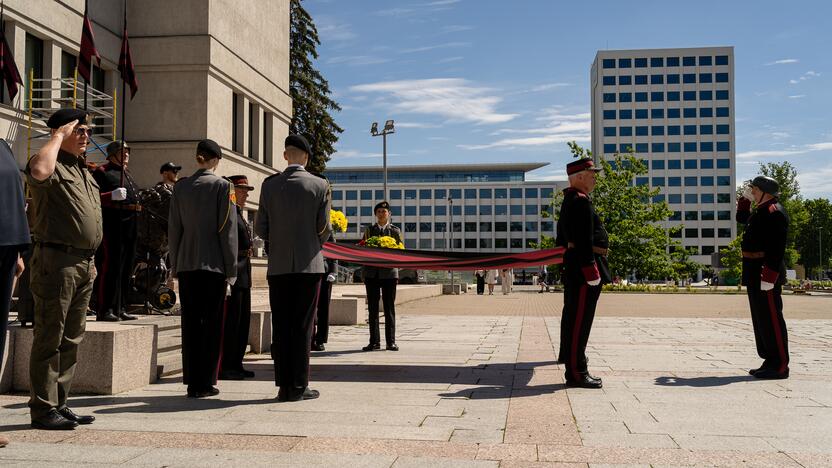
(454, 289)
(112, 358)
(347, 311)
(260, 331)
(6, 371)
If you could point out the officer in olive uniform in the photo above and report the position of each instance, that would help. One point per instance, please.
(117, 253)
(764, 273)
(238, 305)
(382, 282)
(202, 228)
(582, 233)
(67, 230)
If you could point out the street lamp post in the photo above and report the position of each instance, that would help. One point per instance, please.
(388, 128)
(820, 252)
(451, 233)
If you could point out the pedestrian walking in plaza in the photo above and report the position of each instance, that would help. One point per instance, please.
(14, 238)
(117, 253)
(380, 283)
(238, 304)
(480, 276)
(764, 273)
(294, 219)
(581, 232)
(202, 233)
(541, 281)
(491, 280)
(67, 231)
(506, 280)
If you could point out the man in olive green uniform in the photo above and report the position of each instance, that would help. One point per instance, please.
(67, 229)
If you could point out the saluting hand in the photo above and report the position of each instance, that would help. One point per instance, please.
(743, 204)
(66, 130)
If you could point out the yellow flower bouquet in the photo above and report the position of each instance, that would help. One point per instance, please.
(384, 242)
(338, 220)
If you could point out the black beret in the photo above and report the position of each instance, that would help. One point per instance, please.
(209, 149)
(169, 166)
(62, 117)
(299, 142)
(381, 205)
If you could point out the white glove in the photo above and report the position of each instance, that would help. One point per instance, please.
(594, 282)
(227, 290)
(766, 286)
(330, 278)
(119, 194)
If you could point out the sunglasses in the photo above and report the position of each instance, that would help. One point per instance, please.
(83, 131)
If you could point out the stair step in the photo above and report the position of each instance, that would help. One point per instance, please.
(168, 341)
(169, 363)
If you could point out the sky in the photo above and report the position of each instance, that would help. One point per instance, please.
(488, 81)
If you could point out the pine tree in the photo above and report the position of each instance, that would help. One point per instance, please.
(311, 104)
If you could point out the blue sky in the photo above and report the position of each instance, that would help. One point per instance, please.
(471, 81)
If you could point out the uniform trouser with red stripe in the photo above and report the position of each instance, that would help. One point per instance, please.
(202, 294)
(579, 301)
(769, 326)
(321, 334)
(236, 328)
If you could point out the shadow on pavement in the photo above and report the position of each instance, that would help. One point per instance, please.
(702, 381)
(152, 404)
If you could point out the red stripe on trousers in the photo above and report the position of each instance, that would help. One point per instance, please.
(777, 333)
(576, 331)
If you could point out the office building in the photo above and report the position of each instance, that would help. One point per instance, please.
(675, 109)
(206, 69)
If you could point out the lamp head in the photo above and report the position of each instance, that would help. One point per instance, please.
(374, 129)
(388, 126)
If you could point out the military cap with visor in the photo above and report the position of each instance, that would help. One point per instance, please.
(580, 165)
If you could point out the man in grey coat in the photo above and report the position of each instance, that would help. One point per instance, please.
(294, 219)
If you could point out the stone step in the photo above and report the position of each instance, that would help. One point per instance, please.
(169, 340)
(169, 363)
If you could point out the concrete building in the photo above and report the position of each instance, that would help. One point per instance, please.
(675, 108)
(214, 69)
(491, 207)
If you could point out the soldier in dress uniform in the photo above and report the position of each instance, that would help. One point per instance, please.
(321, 334)
(380, 283)
(202, 229)
(238, 305)
(582, 233)
(67, 231)
(764, 273)
(117, 253)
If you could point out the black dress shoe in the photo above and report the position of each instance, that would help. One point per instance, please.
(371, 347)
(586, 382)
(108, 317)
(125, 316)
(306, 394)
(203, 392)
(771, 374)
(318, 347)
(231, 374)
(53, 421)
(392, 347)
(247, 373)
(69, 414)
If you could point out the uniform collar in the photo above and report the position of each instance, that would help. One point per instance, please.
(298, 167)
(383, 227)
(69, 158)
(766, 204)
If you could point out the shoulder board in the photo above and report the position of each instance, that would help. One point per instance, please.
(580, 194)
(93, 167)
(772, 208)
(272, 176)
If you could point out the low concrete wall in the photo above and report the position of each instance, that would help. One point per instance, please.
(6, 365)
(112, 358)
(347, 311)
(260, 331)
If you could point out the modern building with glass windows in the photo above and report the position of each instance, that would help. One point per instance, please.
(675, 109)
(472, 207)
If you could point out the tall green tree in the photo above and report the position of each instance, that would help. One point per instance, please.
(816, 235)
(312, 106)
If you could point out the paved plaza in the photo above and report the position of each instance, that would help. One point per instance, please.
(475, 385)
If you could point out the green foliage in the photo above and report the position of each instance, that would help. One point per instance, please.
(815, 232)
(683, 266)
(732, 260)
(311, 102)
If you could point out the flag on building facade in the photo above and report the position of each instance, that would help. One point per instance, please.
(11, 75)
(125, 63)
(88, 50)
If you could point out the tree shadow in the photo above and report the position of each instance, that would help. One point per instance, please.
(712, 381)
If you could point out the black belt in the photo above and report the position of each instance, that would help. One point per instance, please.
(598, 250)
(82, 253)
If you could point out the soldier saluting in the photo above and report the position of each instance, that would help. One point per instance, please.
(764, 273)
(582, 233)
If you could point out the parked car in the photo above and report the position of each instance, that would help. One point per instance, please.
(405, 276)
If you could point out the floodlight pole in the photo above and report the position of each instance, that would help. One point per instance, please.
(388, 128)
(451, 232)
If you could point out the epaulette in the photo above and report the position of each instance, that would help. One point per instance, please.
(581, 194)
(271, 176)
(772, 208)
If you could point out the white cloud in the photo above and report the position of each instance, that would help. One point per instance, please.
(448, 45)
(353, 154)
(357, 60)
(415, 125)
(548, 86)
(815, 183)
(450, 59)
(442, 2)
(550, 176)
(823, 146)
(797, 96)
(330, 29)
(455, 99)
(806, 76)
(454, 28)
(559, 128)
(782, 62)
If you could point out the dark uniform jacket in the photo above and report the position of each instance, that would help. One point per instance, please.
(66, 206)
(14, 230)
(579, 230)
(766, 229)
(108, 177)
(376, 230)
(244, 246)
